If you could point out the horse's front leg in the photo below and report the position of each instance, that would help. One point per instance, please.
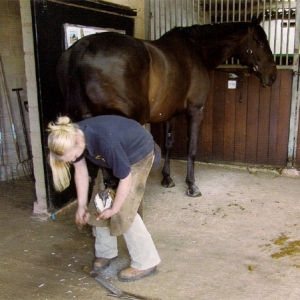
(167, 181)
(193, 123)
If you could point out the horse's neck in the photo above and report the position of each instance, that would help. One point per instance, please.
(213, 56)
(216, 48)
(214, 43)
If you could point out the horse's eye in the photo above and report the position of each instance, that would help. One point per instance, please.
(259, 43)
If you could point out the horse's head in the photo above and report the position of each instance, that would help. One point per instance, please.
(255, 53)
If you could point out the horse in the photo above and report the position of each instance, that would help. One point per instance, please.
(155, 81)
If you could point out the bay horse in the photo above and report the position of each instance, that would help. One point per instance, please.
(154, 81)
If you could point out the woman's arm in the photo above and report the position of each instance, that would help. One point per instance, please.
(81, 178)
(121, 194)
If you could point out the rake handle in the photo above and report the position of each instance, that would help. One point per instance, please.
(23, 121)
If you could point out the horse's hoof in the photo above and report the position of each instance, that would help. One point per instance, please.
(167, 183)
(194, 192)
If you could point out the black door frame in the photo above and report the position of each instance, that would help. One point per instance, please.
(49, 42)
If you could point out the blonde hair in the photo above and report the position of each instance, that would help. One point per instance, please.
(61, 139)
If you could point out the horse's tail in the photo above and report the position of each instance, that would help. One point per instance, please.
(74, 95)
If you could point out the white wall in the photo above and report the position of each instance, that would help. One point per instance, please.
(11, 51)
(282, 37)
(139, 7)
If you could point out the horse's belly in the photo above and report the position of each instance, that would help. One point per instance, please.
(167, 94)
(163, 110)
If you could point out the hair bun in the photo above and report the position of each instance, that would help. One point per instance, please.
(63, 123)
(63, 120)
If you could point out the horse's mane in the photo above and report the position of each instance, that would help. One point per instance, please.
(217, 42)
(208, 30)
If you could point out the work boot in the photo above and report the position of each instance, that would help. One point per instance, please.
(101, 263)
(131, 274)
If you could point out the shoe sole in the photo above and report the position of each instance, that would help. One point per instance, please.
(153, 271)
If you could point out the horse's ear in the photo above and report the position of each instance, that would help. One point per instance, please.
(256, 21)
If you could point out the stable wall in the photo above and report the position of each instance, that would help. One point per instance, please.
(12, 54)
(139, 7)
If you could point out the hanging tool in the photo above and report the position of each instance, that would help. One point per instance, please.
(11, 118)
(27, 163)
(116, 293)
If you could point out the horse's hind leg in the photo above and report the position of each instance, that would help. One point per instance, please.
(167, 181)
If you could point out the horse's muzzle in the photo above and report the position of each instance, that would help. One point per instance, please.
(268, 76)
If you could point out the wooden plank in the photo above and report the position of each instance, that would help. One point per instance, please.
(240, 121)
(252, 119)
(179, 135)
(274, 117)
(218, 115)
(183, 142)
(284, 116)
(263, 125)
(229, 123)
(158, 134)
(181, 139)
(206, 129)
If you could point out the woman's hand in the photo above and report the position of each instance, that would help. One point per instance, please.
(106, 214)
(82, 215)
(121, 194)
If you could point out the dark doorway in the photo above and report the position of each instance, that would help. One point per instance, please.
(49, 37)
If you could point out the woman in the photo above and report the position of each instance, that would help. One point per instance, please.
(126, 148)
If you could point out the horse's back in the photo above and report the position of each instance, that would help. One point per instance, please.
(149, 81)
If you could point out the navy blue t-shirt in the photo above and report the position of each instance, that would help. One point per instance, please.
(115, 142)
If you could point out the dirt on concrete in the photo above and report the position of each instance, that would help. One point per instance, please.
(240, 240)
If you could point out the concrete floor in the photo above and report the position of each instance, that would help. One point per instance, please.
(240, 240)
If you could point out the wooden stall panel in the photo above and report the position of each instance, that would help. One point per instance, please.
(240, 119)
(247, 125)
(284, 109)
(274, 122)
(218, 116)
(229, 124)
(263, 125)
(205, 142)
(252, 117)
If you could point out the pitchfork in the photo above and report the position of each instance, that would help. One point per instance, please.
(24, 163)
(27, 163)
